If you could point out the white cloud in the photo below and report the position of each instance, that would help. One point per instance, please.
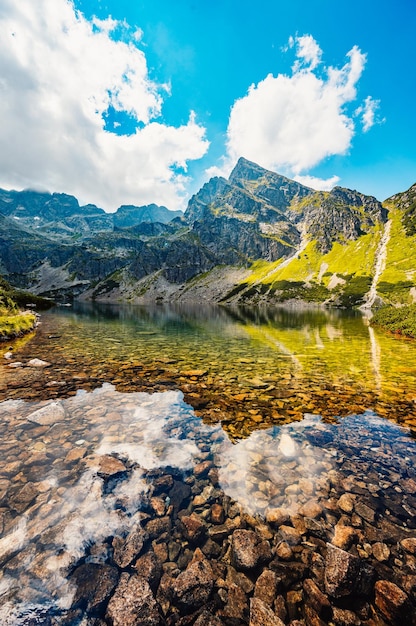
(59, 73)
(320, 184)
(368, 113)
(292, 123)
(308, 52)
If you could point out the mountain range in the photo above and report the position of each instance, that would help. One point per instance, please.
(254, 237)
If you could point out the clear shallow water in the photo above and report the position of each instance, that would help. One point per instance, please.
(57, 504)
(59, 508)
(334, 345)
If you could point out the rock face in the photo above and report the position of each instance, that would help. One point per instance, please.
(339, 215)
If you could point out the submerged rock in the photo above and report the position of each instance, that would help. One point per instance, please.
(48, 415)
(262, 615)
(95, 584)
(393, 603)
(193, 587)
(341, 572)
(133, 604)
(248, 550)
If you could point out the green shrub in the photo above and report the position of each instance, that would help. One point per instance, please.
(401, 321)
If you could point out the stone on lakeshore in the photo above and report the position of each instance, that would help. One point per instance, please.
(133, 604)
(48, 415)
(158, 526)
(240, 579)
(393, 602)
(262, 615)
(266, 587)
(37, 363)
(110, 466)
(291, 535)
(162, 484)
(345, 617)
(344, 536)
(149, 567)
(409, 545)
(381, 551)
(178, 495)
(365, 512)
(217, 514)
(165, 592)
(158, 505)
(193, 587)
(95, 583)
(207, 619)
(15, 364)
(194, 529)
(219, 532)
(211, 549)
(341, 571)
(277, 516)
(128, 549)
(317, 599)
(248, 551)
(346, 503)
(294, 599)
(237, 604)
(284, 551)
(289, 573)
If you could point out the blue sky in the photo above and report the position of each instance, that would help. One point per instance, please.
(136, 102)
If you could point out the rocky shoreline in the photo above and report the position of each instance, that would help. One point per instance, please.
(316, 528)
(197, 558)
(335, 548)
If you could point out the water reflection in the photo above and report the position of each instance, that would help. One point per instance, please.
(319, 345)
(75, 472)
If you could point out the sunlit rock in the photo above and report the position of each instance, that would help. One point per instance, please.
(287, 446)
(262, 615)
(38, 363)
(48, 415)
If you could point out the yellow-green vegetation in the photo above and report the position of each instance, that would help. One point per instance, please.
(16, 325)
(400, 274)
(343, 275)
(260, 269)
(14, 322)
(298, 206)
(401, 321)
(353, 257)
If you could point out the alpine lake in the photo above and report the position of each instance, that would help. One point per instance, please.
(203, 465)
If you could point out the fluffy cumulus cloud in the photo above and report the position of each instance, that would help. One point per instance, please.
(60, 78)
(291, 123)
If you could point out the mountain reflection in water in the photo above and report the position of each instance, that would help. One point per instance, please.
(318, 345)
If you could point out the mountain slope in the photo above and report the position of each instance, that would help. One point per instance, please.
(254, 237)
(355, 246)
